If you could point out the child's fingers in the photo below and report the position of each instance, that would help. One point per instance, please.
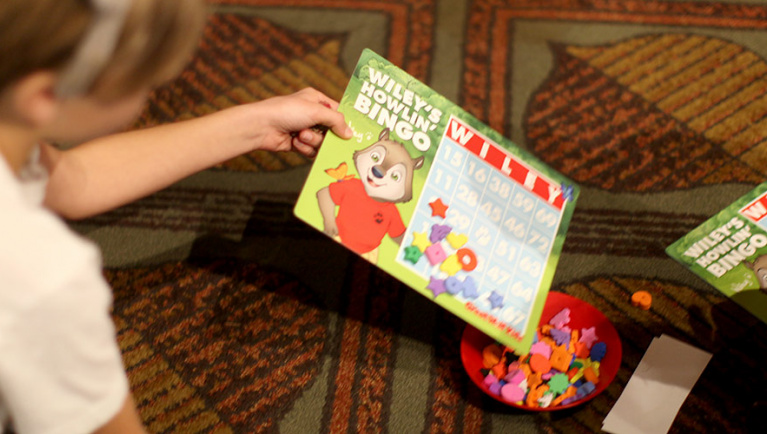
(304, 149)
(312, 136)
(334, 121)
(315, 95)
(322, 112)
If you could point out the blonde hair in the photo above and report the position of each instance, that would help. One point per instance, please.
(157, 39)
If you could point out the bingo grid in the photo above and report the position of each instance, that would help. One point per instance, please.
(505, 213)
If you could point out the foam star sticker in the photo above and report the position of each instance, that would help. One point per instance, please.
(438, 208)
(421, 240)
(495, 299)
(588, 336)
(413, 254)
(437, 286)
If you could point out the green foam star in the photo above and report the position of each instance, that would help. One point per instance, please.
(413, 254)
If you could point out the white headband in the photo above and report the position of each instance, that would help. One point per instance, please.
(95, 49)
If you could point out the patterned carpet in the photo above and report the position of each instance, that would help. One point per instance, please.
(235, 317)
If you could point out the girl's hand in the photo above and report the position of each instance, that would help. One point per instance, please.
(295, 122)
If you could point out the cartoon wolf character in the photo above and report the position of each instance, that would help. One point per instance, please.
(366, 206)
(759, 267)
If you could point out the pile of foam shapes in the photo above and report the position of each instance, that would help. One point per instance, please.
(561, 368)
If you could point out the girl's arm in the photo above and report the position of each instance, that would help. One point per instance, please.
(111, 171)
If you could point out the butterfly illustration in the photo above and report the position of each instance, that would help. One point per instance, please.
(339, 173)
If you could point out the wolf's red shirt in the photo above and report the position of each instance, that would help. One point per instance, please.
(363, 221)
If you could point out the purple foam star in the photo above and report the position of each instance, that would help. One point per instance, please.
(495, 299)
(437, 286)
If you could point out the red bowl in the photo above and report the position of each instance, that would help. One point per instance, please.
(582, 315)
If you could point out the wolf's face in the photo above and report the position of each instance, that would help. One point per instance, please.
(759, 267)
(386, 170)
(761, 275)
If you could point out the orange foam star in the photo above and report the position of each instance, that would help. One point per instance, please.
(438, 208)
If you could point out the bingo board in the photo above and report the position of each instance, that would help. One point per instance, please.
(729, 251)
(483, 229)
(463, 216)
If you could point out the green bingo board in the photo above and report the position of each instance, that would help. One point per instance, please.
(729, 251)
(441, 202)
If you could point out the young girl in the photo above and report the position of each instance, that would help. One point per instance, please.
(72, 71)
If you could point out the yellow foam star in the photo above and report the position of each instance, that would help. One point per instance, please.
(421, 240)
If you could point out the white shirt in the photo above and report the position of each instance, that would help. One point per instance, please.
(61, 369)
